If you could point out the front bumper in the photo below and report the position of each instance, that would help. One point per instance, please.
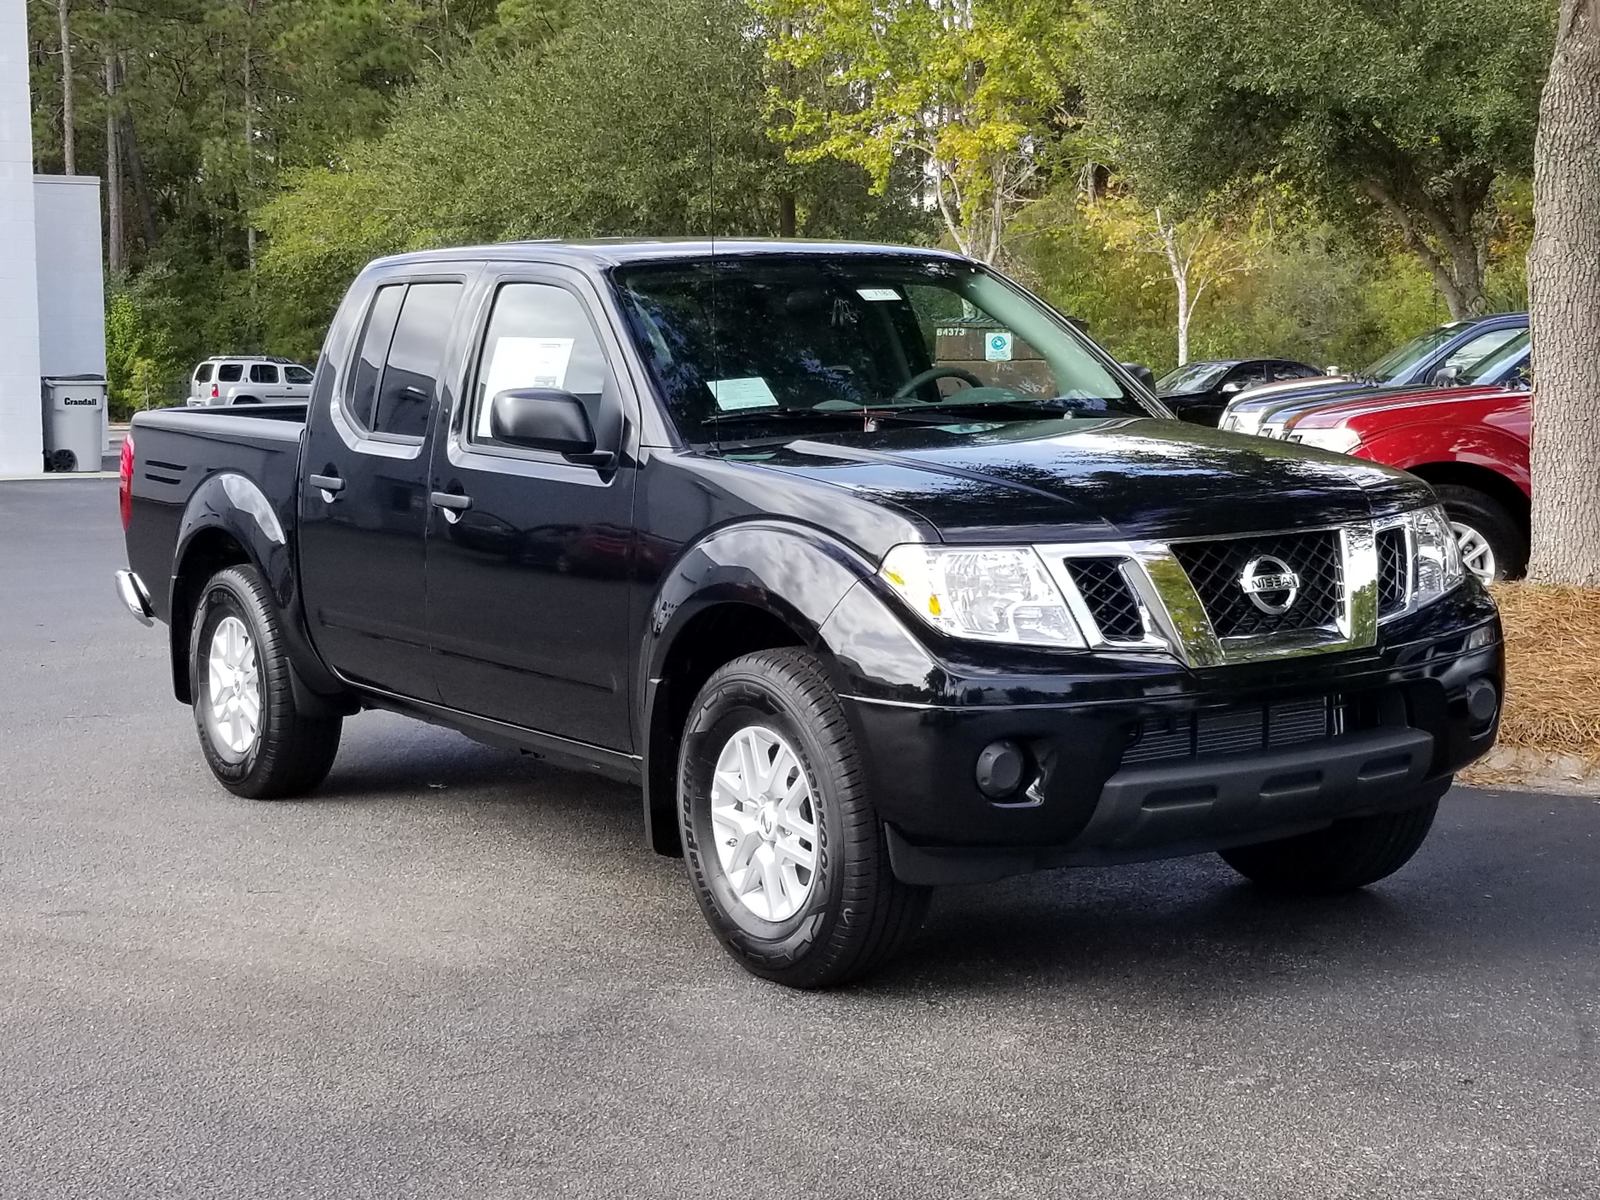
(1404, 717)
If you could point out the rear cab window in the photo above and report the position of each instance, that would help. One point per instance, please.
(396, 369)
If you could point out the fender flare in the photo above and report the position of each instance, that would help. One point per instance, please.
(231, 503)
(1411, 447)
(794, 572)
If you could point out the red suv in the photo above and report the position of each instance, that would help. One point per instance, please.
(1470, 443)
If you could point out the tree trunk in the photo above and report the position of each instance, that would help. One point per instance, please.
(249, 160)
(787, 217)
(69, 150)
(1564, 290)
(114, 259)
(136, 175)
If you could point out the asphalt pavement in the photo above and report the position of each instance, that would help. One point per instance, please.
(459, 973)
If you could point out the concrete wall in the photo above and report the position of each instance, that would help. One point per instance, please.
(20, 435)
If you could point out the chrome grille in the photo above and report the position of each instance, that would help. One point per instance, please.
(1215, 568)
(1108, 596)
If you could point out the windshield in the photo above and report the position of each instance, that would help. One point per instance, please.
(765, 346)
(1494, 367)
(1401, 360)
(1196, 377)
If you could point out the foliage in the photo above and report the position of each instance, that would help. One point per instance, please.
(1395, 119)
(142, 362)
(592, 134)
(975, 92)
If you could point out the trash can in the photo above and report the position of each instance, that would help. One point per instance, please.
(74, 421)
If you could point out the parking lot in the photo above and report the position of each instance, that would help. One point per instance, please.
(457, 972)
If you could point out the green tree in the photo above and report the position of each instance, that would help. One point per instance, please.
(974, 93)
(1396, 119)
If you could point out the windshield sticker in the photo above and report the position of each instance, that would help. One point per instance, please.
(522, 362)
(736, 395)
(997, 346)
(878, 293)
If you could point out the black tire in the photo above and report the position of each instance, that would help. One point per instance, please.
(857, 914)
(1347, 855)
(1507, 537)
(292, 752)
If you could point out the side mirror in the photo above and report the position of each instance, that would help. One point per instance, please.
(1447, 377)
(1142, 373)
(546, 419)
(1234, 386)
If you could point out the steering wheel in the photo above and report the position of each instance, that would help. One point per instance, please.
(932, 373)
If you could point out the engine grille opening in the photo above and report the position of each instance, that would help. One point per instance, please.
(1237, 729)
(1391, 571)
(1217, 571)
(1110, 599)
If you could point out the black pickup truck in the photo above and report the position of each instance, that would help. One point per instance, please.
(872, 570)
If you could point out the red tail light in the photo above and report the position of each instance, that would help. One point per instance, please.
(214, 392)
(125, 481)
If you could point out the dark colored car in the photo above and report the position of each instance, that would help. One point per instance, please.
(1439, 357)
(1198, 391)
(865, 595)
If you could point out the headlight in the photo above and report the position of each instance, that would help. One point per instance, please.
(993, 594)
(1245, 422)
(1338, 439)
(1438, 558)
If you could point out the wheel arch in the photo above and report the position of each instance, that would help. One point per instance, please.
(230, 522)
(740, 589)
(1480, 479)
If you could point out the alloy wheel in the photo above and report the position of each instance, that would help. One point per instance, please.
(233, 690)
(764, 818)
(1477, 555)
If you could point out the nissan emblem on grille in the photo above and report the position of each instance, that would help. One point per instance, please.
(1270, 584)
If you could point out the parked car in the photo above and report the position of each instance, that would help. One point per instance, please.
(1198, 391)
(1470, 443)
(248, 379)
(1439, 356)
(721, 521)
(1506, 366)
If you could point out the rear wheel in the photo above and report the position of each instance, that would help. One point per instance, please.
(253, 733)
(784, 847)
(1349, 854)
(1493, 543)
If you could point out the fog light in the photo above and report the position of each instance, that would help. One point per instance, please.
(1483, 701)
(999, 769)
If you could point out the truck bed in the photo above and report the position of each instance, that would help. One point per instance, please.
(177, 449)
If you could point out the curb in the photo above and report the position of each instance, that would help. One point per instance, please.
(44, 475)
(1532, 770)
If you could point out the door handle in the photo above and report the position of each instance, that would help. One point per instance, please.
(329, 485)
(453, 504)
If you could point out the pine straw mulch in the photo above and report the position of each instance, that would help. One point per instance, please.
(1552, 668)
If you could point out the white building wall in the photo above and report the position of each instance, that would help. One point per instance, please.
(21, 439)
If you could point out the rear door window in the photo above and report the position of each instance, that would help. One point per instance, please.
(416, 351)
(263, 373)
(230, 372)
(375, 341)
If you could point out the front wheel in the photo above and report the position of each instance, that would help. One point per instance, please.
(256, 740)
(784, 847)
(1347, 855)
(1493, 544)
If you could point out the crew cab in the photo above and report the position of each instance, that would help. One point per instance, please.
(871, 570)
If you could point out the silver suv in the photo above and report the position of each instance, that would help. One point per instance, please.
(248, 379)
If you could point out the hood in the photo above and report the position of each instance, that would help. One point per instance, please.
(1343, 409)
(1094, 480)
